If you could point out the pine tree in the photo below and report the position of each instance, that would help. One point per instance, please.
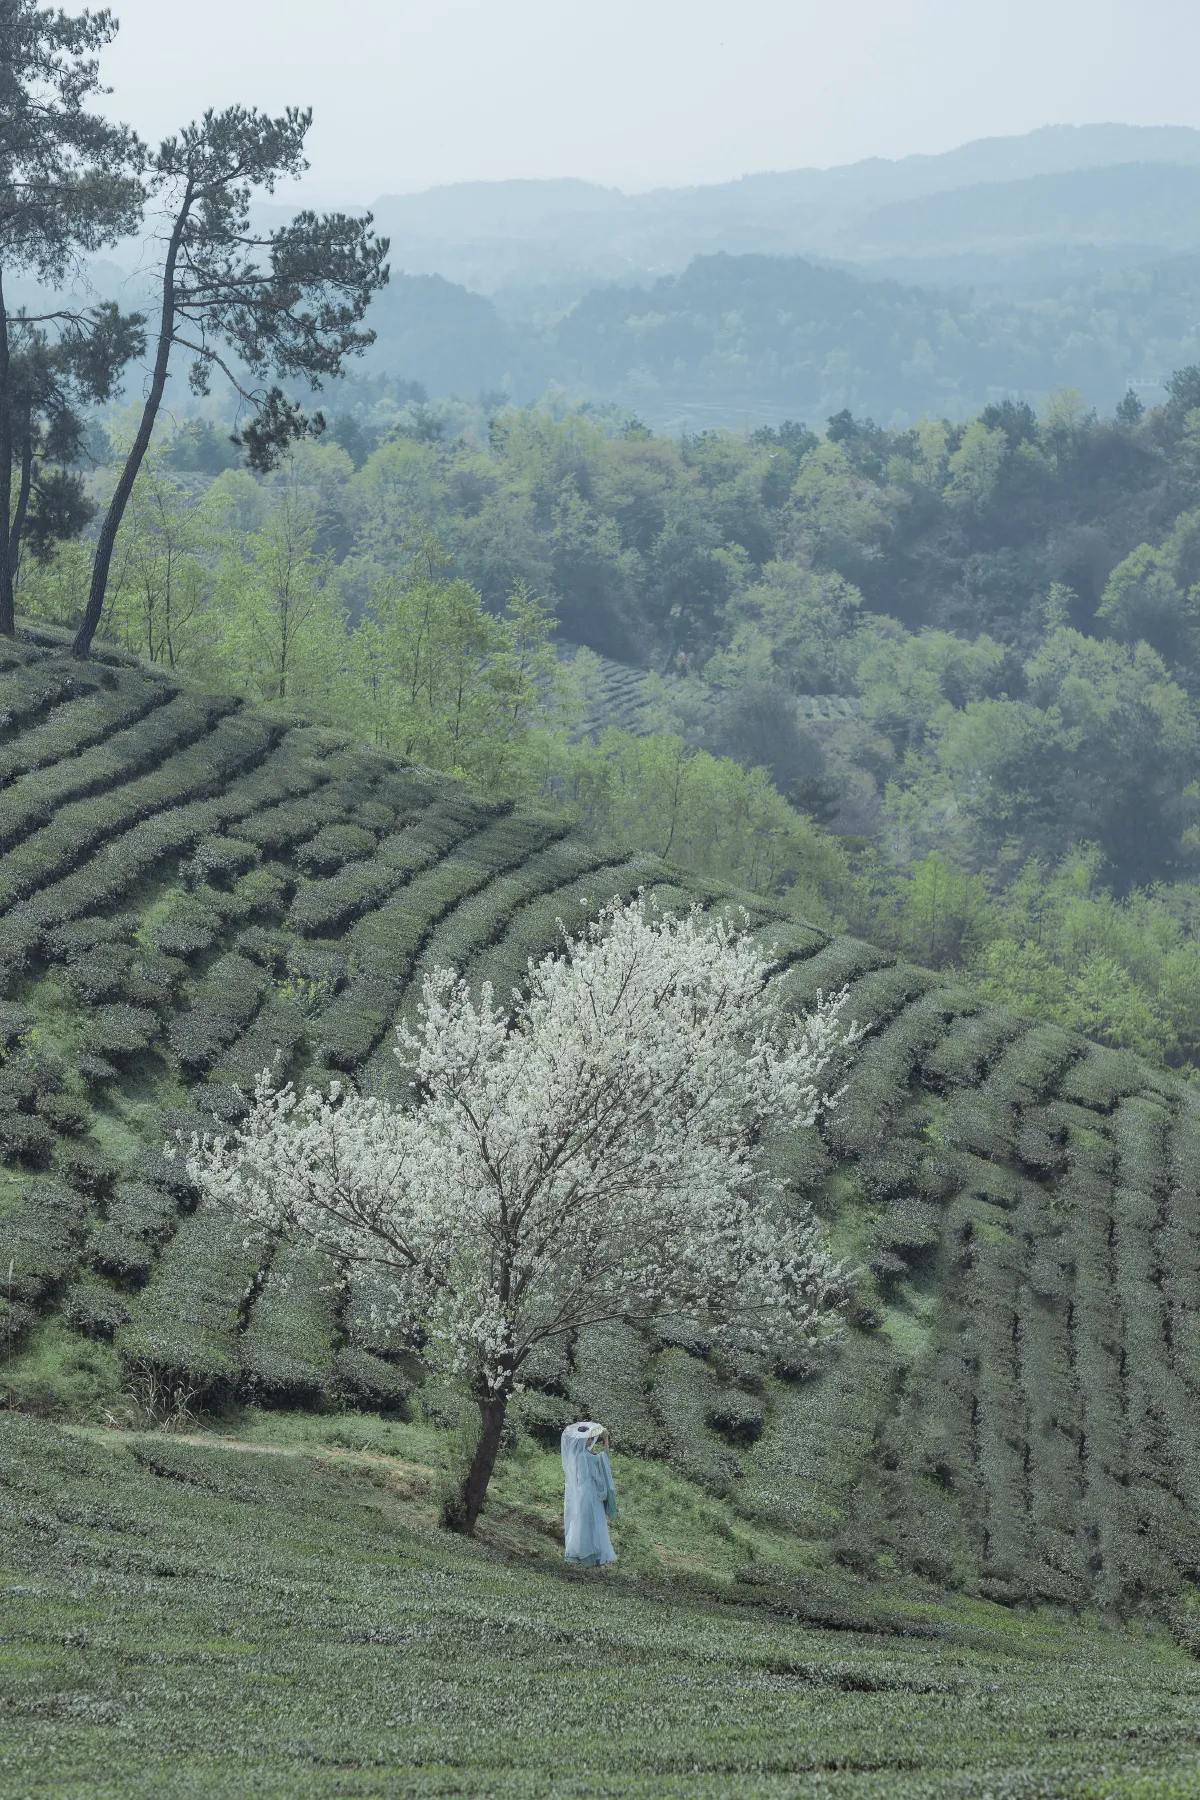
(68, 184)
(240, 304)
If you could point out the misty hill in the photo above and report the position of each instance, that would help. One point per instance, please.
(1017, 265)
(761, 332)
(190, 887)
(933, 285)
(526, 234)
(754, 339)
(737, 340)
(1139, 204)
(452, 340)
(1028, 251)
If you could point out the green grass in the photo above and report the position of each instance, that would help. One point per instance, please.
(286, 1621)
(56, 1370)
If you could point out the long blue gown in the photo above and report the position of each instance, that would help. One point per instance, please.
(589, 1500)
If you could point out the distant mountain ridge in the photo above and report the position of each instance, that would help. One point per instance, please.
(487, 234)
(565, 234)
(1004, 268)
(501, 207)
(744, 301)
(1142, 202)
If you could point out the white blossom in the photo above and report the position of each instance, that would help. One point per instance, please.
(592, 1150)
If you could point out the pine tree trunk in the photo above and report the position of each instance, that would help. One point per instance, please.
(21, 510)
(461, 1512)
(81, 649)
(8, 623)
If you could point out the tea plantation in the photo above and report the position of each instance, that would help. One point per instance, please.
(890, 1550)
(187, 1620)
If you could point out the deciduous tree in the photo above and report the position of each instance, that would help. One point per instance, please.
(281, 624)
(443, 680)
(593, 1154)
(162, 583)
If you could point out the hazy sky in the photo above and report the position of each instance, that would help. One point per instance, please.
(638, 93)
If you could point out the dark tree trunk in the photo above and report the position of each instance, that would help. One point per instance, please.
(22, 506)
(105, 543)
(463, 1509)
(8, 622)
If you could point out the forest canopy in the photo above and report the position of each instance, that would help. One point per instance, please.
(938, 685)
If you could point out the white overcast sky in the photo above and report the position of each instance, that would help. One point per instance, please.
(642, 93)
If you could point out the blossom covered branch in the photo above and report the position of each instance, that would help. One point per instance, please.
(593, 1150)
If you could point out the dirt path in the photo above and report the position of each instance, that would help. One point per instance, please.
(211, 1440)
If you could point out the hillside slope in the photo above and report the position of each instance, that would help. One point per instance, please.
(1131, 203)
(190, 889)
(184, 1618)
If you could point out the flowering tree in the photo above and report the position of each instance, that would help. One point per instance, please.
(590, 1153)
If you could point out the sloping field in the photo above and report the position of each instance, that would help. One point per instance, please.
(190, 890)
(181, 1619)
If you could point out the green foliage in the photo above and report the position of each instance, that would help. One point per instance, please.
(367, 1380)
(58, 1373)
(161, 585)
(78, 722)
(968, 642)
(930, 910)
(435, 676)
(94, 1309)
(385, 944)
(117, 1031)
(184, 1325)
(276, 612)
(139, 1219)
(221, 1006)
(687, 1395)
(708, 814)
(796, 625)
(333, 846)
(39, 1241)
(609, 1379)
(35, 798)
(1122, 972)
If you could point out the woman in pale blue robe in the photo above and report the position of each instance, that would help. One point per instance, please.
(590, 1499)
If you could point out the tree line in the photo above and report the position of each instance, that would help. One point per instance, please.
(1005, 605)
